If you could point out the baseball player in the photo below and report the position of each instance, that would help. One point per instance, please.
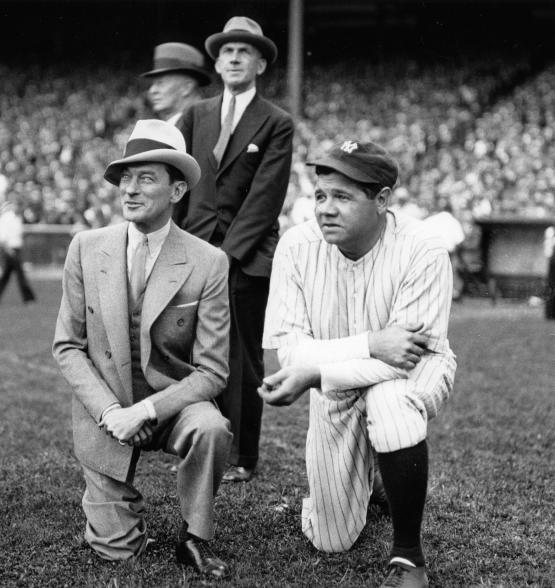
(358, 312)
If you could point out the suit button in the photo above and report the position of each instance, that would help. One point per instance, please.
(180, 322)
(108, 355)
(90, 309)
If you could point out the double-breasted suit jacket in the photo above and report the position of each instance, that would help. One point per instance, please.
(184, 334)
(236, 206)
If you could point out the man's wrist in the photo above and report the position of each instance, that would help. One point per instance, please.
(149, 410)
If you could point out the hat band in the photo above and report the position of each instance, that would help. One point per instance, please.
(136, 146)
(171, 63)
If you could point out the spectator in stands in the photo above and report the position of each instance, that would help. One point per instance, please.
(179, 71)
(11, 244)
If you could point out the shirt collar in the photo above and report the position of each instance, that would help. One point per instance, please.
(155, 239)
(241, 100)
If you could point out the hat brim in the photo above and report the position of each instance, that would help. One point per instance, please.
(183, 162)
(203, 76)
(344, 168)
(266, 46)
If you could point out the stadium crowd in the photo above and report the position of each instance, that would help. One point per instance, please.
(477, 134)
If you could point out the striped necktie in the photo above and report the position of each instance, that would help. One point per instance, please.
(225, 132)
(137, 279)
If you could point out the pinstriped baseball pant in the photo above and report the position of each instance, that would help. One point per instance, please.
(344, 426)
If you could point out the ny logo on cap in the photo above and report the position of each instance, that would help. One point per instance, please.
(349, 146)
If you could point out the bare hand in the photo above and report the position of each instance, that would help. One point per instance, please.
(397, 346)
(288, 384)
(143, 437)
(124, 423)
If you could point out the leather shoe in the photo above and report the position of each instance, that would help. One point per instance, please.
(238, 474)
(196, 552)
(401, 575)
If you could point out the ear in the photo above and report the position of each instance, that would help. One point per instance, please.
(382, 199)
(178, 191)
(218, 66)
(261, 66)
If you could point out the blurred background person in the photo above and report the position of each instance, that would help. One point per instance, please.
(11, 244)
(179, 73)
(449, 229)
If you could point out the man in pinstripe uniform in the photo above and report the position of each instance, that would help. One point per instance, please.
(358, 312)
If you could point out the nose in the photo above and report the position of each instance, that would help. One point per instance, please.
(327, 207)
(131, 186)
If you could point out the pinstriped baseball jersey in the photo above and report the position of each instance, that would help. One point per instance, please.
(320, 309)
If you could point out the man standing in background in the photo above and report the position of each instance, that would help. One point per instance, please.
(11, 244)
(243, 144)
(179, 71)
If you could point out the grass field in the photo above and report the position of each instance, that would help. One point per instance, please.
(490, 514)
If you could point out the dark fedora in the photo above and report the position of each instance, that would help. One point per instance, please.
(179, 57)
(241, 29)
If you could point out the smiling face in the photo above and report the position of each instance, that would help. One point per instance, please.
(167, 93)
(147, 195)
(347, 215)
(238, 64)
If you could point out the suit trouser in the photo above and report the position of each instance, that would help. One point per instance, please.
(240, 402)
(200, 436)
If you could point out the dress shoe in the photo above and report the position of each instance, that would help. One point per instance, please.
(401, 575)
(196, 552)
(238, 474)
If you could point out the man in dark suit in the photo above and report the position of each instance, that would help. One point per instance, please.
(142, 339)
(243, 144)
(179, 72)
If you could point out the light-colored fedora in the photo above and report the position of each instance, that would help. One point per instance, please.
(179, 57)
(156, 141)
(241, 29)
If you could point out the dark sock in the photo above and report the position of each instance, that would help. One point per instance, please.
(405, 478)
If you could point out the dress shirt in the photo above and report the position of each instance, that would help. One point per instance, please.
(174, 118)
(241, 102)
(155, 242)
(11, 229)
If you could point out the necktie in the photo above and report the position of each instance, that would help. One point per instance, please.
(137, 280)
(225, 132)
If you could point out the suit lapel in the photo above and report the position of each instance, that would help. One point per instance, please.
(169, 273)
(253, 118)
(112, 293)
(211, 128)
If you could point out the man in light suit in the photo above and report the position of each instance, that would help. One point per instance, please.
(243, 144)
(142, 339)
(178, 74)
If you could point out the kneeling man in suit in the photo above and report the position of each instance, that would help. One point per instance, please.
(142, 338)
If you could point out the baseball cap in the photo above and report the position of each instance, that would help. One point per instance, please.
(367, 163)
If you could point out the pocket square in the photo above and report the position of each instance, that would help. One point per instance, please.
(185, 305)
(252, 148)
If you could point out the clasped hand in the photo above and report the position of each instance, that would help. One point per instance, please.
(128, 425)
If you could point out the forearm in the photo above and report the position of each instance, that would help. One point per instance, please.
(310, 351)
(357, 373)
(197, 387)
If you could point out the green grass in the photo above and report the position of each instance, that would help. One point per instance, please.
(489, 519)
